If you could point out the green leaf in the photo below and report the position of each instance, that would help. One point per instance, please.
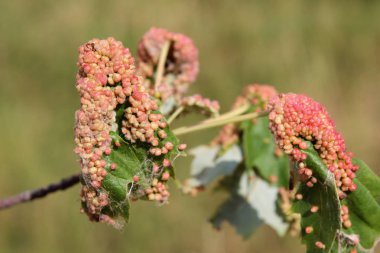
(130, 162)
(325, 222)
(367, 177)
(259, 152)
(364, 206)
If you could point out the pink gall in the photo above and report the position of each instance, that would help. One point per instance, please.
(165, 176)
(320, 245)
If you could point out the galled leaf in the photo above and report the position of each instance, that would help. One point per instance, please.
(319, 207)
(364, 207)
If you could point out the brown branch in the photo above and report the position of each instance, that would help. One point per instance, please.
(39, 193)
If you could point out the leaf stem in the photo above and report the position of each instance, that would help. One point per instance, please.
(161, 64)
(39, 193)
(175, 114)
(229, 114)
(216, 122)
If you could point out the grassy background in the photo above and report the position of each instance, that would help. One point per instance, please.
(327, 49)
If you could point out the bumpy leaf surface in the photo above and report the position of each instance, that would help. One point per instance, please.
(319, 207)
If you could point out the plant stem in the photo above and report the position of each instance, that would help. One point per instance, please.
(175, 114)
(39, 193)
(216, 123)
(229, 114)
(161, 64)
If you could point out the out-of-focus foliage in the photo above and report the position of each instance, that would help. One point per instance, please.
(329, 50)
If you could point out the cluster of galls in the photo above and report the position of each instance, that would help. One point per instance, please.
(295, 119)
(102, 64)
(203, 105)
(253, 95)
(106, 80)
(181, 66)
(140, 123)
(157, 191)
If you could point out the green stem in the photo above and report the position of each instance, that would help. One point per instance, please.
(216, 123)
(175, 114)
(161, 64)
(229, 114)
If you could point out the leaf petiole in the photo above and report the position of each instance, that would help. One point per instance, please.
(161, 64)
(218, 122)
(230, 114)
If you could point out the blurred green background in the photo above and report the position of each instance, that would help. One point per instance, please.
(329, 50)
